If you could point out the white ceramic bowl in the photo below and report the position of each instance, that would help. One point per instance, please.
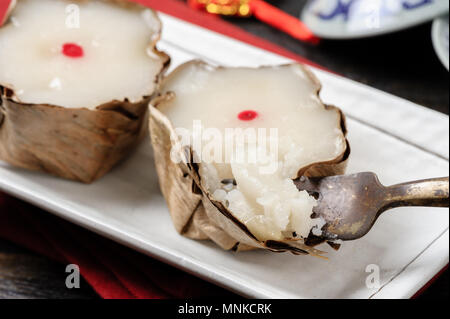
(439, 35)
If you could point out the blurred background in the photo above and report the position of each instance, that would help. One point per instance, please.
(402, 63)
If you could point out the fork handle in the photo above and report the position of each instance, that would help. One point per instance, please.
(429, 192)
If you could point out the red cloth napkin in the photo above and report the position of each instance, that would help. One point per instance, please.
(112, 270)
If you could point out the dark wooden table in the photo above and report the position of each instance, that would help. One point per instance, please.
(403, 64)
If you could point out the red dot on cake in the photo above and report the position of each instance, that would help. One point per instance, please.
(247, 115)
(72, 50)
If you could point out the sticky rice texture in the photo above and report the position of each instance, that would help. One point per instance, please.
(76, 117)
(260, 195)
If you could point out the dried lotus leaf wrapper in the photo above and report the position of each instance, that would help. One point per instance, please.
(196, 90)
(78, 103)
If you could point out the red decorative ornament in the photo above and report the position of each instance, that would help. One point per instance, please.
(223, 7)
(72, 50)
(247, 115)
(262, 11)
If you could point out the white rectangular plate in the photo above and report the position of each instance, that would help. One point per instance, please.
(397, 139)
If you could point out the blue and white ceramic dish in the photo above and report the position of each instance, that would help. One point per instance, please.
(346, 19)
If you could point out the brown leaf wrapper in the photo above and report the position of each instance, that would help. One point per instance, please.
(75, 143)
(193, 209)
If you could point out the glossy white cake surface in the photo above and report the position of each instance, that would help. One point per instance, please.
(116, 63)
(285, 99)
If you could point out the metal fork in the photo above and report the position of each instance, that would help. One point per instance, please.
(351, 204)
